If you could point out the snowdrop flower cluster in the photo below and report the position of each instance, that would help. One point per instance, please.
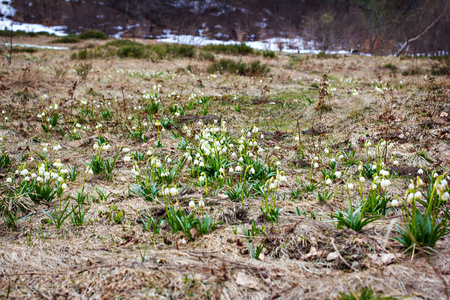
(441, 188)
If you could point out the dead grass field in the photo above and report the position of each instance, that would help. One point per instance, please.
(303, 256)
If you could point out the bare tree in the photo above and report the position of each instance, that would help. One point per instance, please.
(408, 41)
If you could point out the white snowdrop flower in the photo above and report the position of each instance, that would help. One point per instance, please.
(420, 172)
(418, 195)
(195, 162)
(201, 203)
(316, 165)
(241, 159)
(8, 180)
(350, 186)
(166, 191)
(54, 175)
(394, 202)
(201, 164)
(47, 175)
(201, 179)
(332, 160)
(169, 160)
(419, 182)
(44, 149)
(78, 125)
(362, 179)
(60, 179)
(24, 172)
(410, 197)
(338, 174)
(64, 185)
(272, 185)
(158, 164)
(125, 149)
(126, 158)
(374, 186)
(374, 167)
(385, 183)
(64, 171)
(95, 146)
(435, 175)
(384, 173)
(106, 147)
(341, 156)
(411, 186)
(395, 162)
(192, 204)
(360, 167)
(238, 168)
(276, 148)
(328, 181)
(327, 150)
(39, 179)
(33, 175)
(252, 171)
(221, 170)
(445, 196)
(173, 191)
(27, 178)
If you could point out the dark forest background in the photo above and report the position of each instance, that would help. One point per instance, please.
(375, 26)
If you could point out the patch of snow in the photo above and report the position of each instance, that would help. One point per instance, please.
(261, 24)
(6, 9)
(5, 24)
(37, 46)
(288, 45)
(267, 11)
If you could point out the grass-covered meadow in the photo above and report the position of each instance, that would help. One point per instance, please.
(135, 170)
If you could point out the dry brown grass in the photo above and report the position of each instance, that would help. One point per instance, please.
(302, 258)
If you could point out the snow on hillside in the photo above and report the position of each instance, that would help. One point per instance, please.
(293, 45)
(6, 10)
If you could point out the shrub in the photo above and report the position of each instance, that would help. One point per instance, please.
(70, 39)
(391, 67)
(239, 68)
(257, 69)
(121, 43)
(206, 56)
(233, 49)
(133, 51)
(325, 55)
(268, 53)
(176, 50)
(83, 69)
(93, 34)
(23, 33)
(24, 49)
